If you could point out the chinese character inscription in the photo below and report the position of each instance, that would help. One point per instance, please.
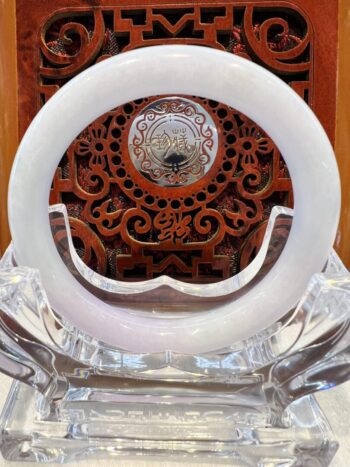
(173, 142)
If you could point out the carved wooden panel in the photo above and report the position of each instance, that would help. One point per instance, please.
(134, 228)
(125, 225)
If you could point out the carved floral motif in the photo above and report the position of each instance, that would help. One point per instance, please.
(125, 225)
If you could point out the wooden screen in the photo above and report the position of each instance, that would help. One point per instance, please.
(122, 226)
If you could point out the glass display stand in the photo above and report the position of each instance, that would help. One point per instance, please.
(247, 404)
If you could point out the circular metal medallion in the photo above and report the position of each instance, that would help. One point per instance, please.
(173, 141)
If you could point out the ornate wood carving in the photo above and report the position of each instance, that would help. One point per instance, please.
(194, 231)
(126, 226)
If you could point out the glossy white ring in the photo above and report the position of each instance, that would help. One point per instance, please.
(186, 70)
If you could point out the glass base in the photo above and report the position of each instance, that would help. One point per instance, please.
(234, 429)
(248, 403)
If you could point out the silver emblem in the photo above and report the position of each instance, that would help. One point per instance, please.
(173, 141)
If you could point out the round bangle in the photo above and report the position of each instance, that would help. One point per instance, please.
(186, 70)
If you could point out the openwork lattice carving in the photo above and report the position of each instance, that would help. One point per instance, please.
(203, 228)
(197, 231)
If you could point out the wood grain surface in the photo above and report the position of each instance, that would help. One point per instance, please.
(8, 108)
(342, 140)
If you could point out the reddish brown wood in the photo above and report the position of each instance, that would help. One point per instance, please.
(125, 226)
(8, 113)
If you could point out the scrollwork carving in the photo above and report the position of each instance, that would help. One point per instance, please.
(274, 43)
(195, 220)
(68, 55)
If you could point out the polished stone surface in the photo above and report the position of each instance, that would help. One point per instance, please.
(244, 86)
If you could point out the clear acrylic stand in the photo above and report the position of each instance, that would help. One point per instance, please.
(249, 404)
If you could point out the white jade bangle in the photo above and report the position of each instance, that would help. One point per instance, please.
(188, 70)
